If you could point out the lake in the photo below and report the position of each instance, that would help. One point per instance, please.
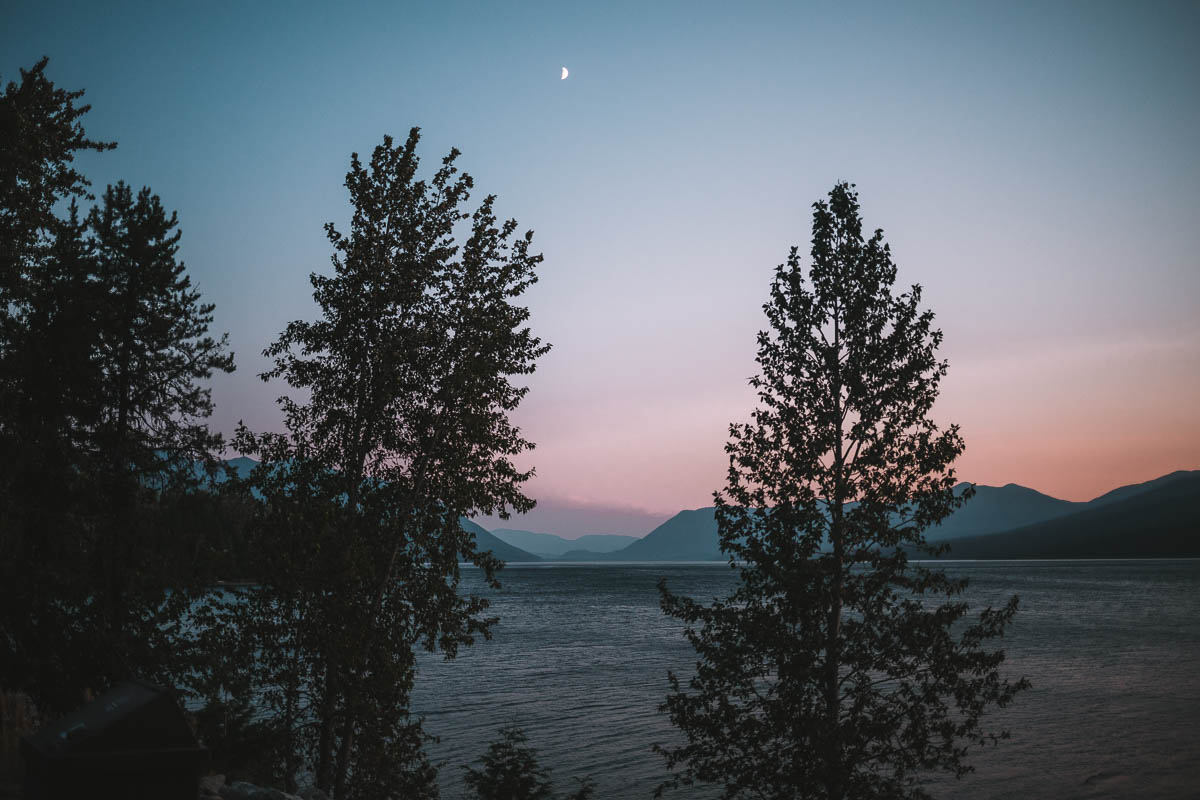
(580, 656)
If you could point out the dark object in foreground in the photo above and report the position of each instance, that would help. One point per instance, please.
(837, 669)
(511, 772)
(130, 742)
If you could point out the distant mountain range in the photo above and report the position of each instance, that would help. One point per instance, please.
(999, 508)
(1157, 518)
(687, 536)
(499, 548)
(548, 545)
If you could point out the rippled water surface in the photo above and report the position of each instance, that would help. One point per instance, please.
(579, 660)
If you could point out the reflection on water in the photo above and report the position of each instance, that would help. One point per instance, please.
(580, 656)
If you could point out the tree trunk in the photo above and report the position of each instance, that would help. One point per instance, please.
(120, 522)
(835, 786)
(343, 759)
(833, 759)
(291, 757)
(341, 766)
(325, 742)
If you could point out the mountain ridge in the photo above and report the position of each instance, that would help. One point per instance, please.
(485, 541)
(1029, 518)
(691, 535)
(1163, 521)
(549, 545)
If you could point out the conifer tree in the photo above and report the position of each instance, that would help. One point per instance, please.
(41, 130)
(509, 770)
(837, 668)
(47, 383)
(46, 489)
(104, 351)
(154, 355)
(44, 331)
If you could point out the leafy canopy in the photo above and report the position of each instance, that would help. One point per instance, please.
(405, 381)
(837, 668)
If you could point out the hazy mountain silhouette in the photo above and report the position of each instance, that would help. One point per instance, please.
(687, 536)
(568, 518)
(242, 466)
(550, 546)
(1162, 521)
(602, 542)
(1125, 492)
(692, 535)
(500, 549)
(1010, 521)
(999, 508)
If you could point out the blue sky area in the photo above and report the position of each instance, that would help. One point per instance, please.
(1033, 165)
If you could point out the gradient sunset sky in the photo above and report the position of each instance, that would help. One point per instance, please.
(1034, 166)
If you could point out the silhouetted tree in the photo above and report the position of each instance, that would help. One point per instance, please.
(408, 375)
(45, 291)
(47, 385)
(260, 647)
(509, 770)
(40, 133)
(153, 351)
(103, 343)
(837, 668)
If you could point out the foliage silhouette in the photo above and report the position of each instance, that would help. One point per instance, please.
(837, 668)
(103, 344)
(510, 771)
(44, 377)
(152, 351)
(408, 378)
(40, 133)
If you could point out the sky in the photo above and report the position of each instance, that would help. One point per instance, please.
(1033, 166)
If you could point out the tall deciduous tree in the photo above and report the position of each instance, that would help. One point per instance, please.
(837, 668)
(409, 380)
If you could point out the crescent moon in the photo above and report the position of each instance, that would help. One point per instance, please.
(564, 75)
